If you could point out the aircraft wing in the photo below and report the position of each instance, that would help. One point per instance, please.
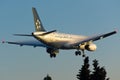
(34, 43)
(96, 37)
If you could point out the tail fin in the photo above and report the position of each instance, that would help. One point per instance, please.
(37, 21)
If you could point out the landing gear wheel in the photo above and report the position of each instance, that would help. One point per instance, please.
(78, 53)
(52, 55)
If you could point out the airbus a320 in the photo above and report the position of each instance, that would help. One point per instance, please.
(53, 41)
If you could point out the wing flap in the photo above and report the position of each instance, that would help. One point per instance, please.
(104, 35)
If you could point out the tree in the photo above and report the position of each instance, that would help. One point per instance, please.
(84, 73)
(98, 73)
(47, 77)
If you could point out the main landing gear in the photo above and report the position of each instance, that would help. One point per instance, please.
(78, 52)
(52, 52)
(52, 55)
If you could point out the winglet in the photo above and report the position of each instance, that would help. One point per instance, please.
(116, 30)
(3, 41)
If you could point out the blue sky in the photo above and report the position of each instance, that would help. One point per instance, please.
(87, 17)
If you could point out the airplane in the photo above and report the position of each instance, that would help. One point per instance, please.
(53, 41)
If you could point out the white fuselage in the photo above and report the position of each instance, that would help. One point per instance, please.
(59, 40)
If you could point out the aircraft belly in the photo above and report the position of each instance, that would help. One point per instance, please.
(56, 44)
(61, 44)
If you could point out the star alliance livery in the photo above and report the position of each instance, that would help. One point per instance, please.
(54, 41)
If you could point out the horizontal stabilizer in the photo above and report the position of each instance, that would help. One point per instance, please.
(48, 32)
(23, 35)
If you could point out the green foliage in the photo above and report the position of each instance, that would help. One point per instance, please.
(99, 73)
(84, 73)
(47, 78)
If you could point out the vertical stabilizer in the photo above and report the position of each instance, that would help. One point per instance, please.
(37, 21)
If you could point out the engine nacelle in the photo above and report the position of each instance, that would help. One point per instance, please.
(91, 47)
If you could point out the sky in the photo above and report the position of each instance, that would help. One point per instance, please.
(86, 17)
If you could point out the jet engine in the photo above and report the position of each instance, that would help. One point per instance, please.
(91, 47)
